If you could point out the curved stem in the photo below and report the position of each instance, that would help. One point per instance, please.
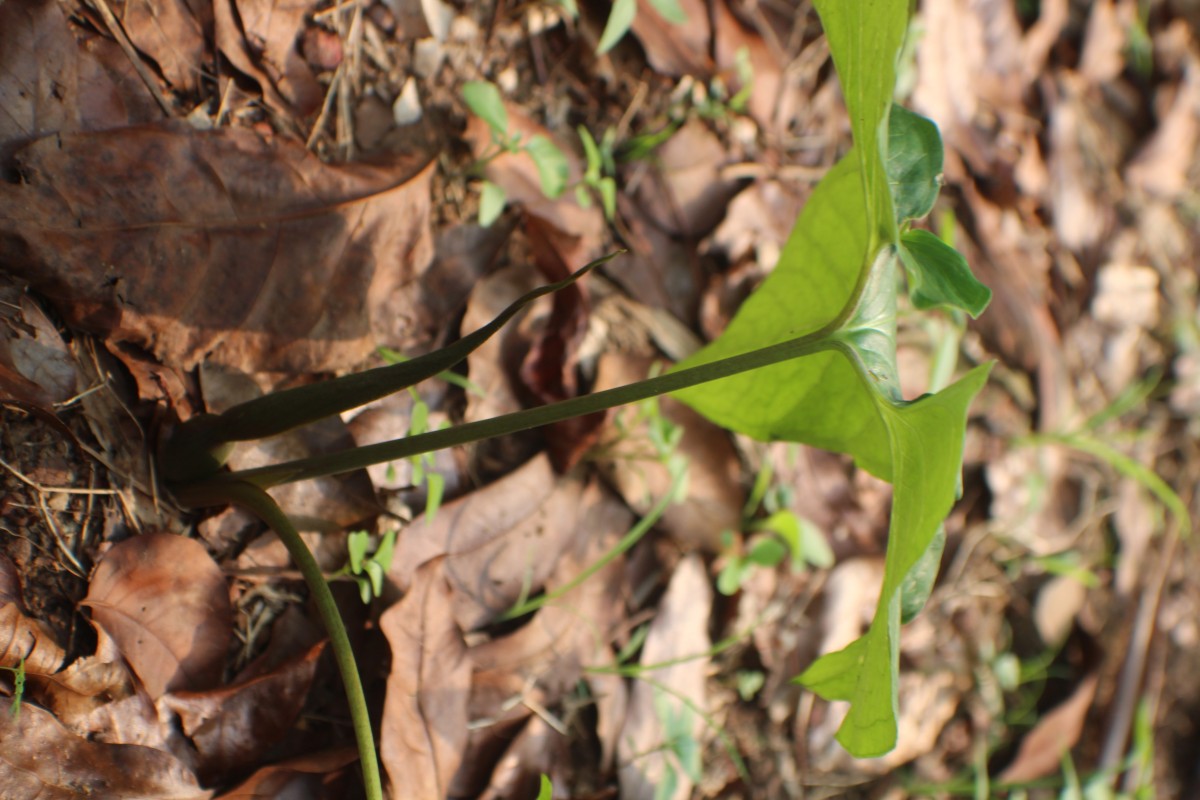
(261, 504)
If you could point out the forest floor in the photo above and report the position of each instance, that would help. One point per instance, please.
(206, 201)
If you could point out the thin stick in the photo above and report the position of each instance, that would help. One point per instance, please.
(139, 66)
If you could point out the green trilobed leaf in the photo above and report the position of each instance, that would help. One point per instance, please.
(836, 278)
(938, 275)
(914, 163)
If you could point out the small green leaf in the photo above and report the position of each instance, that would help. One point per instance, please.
(418, 422)
(485, 102)
(814, 546)
(939, 275)
(582, 197)
(356, 546)
(383, 556)
(914, 163)
(619, 21)
(553, 169)
(767, 552)
(670, 10)
(731, 576)
(364, 589)
(749, 681)
(491, 203)
(591, 152)
(608, 197)
(375, 574)
(435, 485)
(545, 787)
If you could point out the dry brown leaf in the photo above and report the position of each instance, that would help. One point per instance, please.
(658, 270)
(1042, 749)
(688, 196)
(714, 493)
(22, 637)
(52, 83)
(42, 760)
(272, 29)
(36, 368)
(498, 541)
(310, 777)
(172, 33)
(221, 244)
(539, 664)
(424, 727)
(1162, 167)
(234, 726)
(672, 48)
(679, 630)
(165, 604)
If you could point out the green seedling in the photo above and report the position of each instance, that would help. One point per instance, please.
(14, 708)
(597, 179)
(622, 15)
(368, 571)
(810, 358)
(545, 788)
(485, 102)
(781, 533)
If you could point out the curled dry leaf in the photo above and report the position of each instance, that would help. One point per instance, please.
(165, 604)
(23, 637)
(36, 368)
(303, 778)
(424, 727)
(218, 244)
(42, 760)
(497, 541)
(234, 726)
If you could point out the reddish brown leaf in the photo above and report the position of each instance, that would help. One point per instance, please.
(42, 760)
(498, 541)
(232, 727)
(36, 368)
(220, 244)
(424, 727)
(165, 604)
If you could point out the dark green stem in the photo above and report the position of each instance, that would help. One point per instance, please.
(259, 503)
(361, 457)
